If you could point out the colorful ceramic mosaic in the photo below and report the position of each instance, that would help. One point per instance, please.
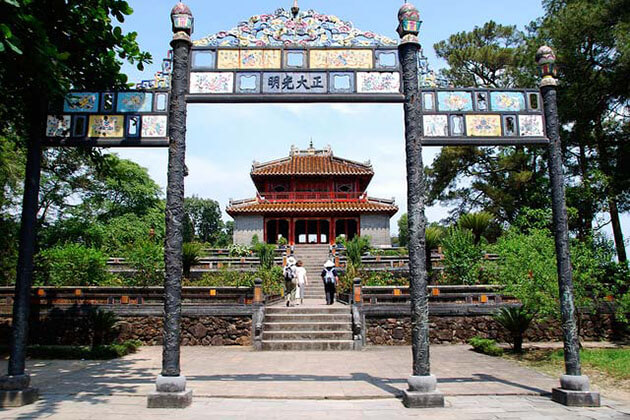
(309, 29)
(435, 125)
(154, 126)
(249, 59)
(507, 101)
(134, 102)
(531, 126)
(212, 82)
(81, 102)
(106, 126)
(58, 126)
(375, 82)
(483, 125)
(455, 101)
(341, 59)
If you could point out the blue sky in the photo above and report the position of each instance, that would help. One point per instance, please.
(223, 140)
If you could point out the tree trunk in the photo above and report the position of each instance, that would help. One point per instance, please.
(518, 343)
(617, 232)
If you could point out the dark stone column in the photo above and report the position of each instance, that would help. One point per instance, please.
(422, 385)
(14, 388)
(574, 387)
(171, 385)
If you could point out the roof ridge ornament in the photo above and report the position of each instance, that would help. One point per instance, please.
(295, 10)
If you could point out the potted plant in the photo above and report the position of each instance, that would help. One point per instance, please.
(340, 241)
(282, 242)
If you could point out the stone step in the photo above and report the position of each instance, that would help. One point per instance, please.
(313, 326)
(313, 345)
(306, 335)
(283, 310)
(308, 318)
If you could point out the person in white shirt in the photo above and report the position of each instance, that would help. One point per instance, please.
(290, 281)
(302, 280)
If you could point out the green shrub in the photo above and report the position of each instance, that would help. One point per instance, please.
(147, 259)
(102, 326)
(71, 265)
(485, 346)
(239, 250)
(355, 249)
(273, 281)
(265, 254)
(282, 241)
(477, 223)
(515, 319)
(102, 352)
(191, 252)
(462, 258)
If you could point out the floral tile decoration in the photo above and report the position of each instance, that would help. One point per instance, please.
(455, 101)
(531, 126)
(435, 125)
(154, 126)
(483, 125)
(507, 101)
(58, 126)
(212, 82)
(81, 102)
(374, 82)
(106, 126)
(134, 102)
(341, 59)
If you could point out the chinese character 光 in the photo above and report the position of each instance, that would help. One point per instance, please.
(287, 83)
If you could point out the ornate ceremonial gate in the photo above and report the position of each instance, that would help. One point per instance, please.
(306, 57)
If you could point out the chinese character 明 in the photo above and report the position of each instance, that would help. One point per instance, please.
(317, 82)
(303, 83)
(274, 82)
(287, 83)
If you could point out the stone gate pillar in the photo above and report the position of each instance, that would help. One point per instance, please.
(422, 390)
(171, 385)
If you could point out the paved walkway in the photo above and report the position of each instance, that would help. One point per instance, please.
(225, 379)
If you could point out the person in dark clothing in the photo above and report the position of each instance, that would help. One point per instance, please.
(330, 278)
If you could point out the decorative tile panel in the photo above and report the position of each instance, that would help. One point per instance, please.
(249, 59)
(455, 101)
(154, 126)
(435, 125)
(341, 59)
(106, 126)
(212, 82)
(531, 126)
(81, 102)
(134, 102)
(58, 126)
(376, 82)
(507, 101)
(483, 125)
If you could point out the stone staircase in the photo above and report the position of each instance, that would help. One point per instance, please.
(312, 326)
(313, 257)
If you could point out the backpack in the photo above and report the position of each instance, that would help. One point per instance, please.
(329, 277)
(289, 274)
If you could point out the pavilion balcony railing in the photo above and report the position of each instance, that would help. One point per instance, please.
(311, 196)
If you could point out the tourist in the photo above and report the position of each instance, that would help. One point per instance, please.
(330, 278)
(302, 281)
(290, 281)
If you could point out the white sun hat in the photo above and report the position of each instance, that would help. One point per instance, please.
(291, 261)
(329, 264)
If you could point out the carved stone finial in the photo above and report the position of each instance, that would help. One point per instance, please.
(409, 23)
(295, 10)
(546, 60)
(183, 22)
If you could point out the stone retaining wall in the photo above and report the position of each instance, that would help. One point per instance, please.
(196, 331)
(459, 329)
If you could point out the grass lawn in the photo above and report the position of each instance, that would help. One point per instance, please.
(607, 368)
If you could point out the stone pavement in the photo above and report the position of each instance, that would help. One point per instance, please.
(234, 382)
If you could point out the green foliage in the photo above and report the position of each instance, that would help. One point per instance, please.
(613, 362)
(102, 326)
(282, 241)
(204, 220)
(462, 257)
(191, 252)
(71, 265)
(273, 281)
(485, 346)
(403, 230)
(265, 253)
(477, 223)
(533, 219)
(146, 257)
(255, 239)
(355, 249)
(103, 352)
(515, 319)
(239, 250)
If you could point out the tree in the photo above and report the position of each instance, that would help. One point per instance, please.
(477, 223)
(205, 217)
(403, 231)
(498, 180)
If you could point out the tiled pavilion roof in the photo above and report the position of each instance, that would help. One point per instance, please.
(255, 206)
(311, 162)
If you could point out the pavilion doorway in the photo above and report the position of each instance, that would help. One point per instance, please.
(312, 231)
(349, 228)
(276, 229)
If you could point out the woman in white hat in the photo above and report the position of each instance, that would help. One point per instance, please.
(330, 278)
(290, 281)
